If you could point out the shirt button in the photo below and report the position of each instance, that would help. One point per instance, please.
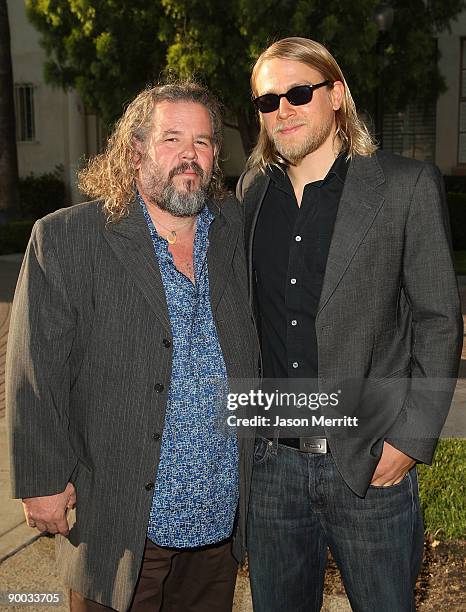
(298, 238)
(159, 387)
(156, 436)
(293, 281)
(166, 342)
(294, 322)
(295, 364)
(149, 486)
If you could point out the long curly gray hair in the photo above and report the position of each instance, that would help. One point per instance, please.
(111, 175)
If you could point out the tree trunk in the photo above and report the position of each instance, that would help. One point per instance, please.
(9, 189)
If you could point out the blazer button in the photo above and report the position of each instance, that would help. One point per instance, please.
(159, 387)
(155, 436)
(166, 342)
(149, 486)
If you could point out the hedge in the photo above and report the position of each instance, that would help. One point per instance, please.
(14, 236)
(460, 263)
(457, 209)
(45, 193)
(42, 194)
(39, 195)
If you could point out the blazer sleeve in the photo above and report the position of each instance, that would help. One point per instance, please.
(429, 283)
(40, 340)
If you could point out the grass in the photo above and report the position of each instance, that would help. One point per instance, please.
(442, 488)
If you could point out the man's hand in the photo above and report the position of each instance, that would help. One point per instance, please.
(392, 467)
(48, 513)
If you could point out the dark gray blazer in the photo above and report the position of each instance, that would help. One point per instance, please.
(88, 374)
(389, 308)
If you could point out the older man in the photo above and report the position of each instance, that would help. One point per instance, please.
(352, 278)
(129, 317)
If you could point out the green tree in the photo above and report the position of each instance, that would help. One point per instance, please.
(221, 45)
(9, 192)
(108, 49)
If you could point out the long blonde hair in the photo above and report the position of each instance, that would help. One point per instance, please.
(111, 175)
(351, 130)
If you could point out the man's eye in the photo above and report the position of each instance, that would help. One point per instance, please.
(202, 142)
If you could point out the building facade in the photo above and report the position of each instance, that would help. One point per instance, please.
(450, 150)
(53, 128)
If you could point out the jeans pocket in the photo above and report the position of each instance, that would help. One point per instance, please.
(400, 484)
(262, 450)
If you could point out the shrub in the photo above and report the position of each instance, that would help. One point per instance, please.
(41, 194)
(460, 263)
(457, 210)
(14, 236)
(442, 488)
(455, 183)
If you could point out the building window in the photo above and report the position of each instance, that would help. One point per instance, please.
(412, 132)
(462, 107)
(25, 116)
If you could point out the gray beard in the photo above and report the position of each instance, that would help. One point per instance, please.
(184, 204)
(163, 194)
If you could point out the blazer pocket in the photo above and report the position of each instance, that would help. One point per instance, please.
(404, 372)
(391, 355)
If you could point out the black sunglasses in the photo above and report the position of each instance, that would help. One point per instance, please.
(297, 96)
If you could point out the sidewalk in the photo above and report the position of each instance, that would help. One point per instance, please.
(14, 533)
(27, 560)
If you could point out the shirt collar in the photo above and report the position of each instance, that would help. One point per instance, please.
(339, 168)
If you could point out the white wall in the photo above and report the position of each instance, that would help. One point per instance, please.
(449, 44)
(59, 117)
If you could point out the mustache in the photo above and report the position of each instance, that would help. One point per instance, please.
(185, 166)
(285, 125)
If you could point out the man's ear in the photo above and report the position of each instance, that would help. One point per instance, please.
(336, 95)
(137, 153)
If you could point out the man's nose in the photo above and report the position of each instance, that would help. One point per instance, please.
(285, 109)
(188, 151)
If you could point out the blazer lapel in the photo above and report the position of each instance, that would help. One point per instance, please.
(131, 242)
(359, 205)
(223, 238)
(252, 203)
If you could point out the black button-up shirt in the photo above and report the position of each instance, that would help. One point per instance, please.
(291, 246)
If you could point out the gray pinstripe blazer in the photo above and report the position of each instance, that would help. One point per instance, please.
(389, 307)
(85, 363)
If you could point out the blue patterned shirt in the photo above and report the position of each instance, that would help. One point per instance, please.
(196, 489)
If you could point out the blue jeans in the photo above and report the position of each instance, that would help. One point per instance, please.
(300, 505)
